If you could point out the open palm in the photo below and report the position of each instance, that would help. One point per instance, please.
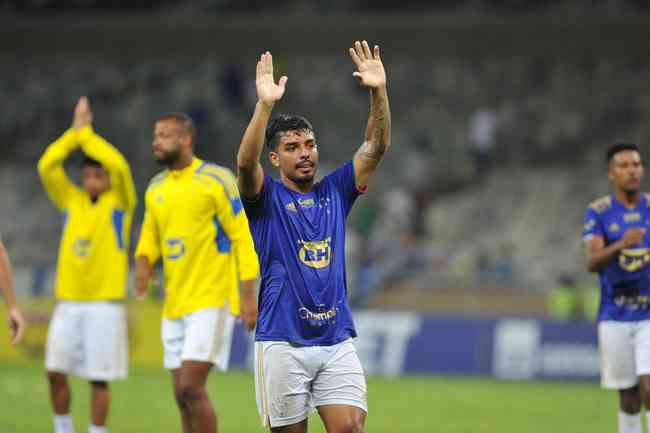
(267, 91)
(370, 70)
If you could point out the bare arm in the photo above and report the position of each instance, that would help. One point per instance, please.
(371, 74)
(250, 175)
(147, 252)
(16, 321)
(143, 275)
(599, 255)
(248, 302)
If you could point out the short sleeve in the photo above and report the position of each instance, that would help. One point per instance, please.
(258, 207)
(344, 181)
(592, 225)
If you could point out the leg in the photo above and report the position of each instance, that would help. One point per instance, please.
(186, 421)
(193, 395)
(62, 338)
(618, 349)
(59, 393)
(104, 355)
(100, 398)
(300, 427)
(283, 380)
(342, 419)
(340, 390)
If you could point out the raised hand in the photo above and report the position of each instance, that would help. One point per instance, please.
(82, 114)
(267, 91)
(370, 71)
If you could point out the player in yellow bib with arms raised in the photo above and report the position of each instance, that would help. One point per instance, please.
(87, 336)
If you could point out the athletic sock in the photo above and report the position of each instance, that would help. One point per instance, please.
(97, 429)
(628, 423)
(63, 424)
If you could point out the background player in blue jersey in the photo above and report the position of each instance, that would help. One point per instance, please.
(305, 358)
(618, 248)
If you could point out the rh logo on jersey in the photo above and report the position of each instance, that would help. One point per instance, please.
(634, 259)
(175, 248)
(316, 254)
(81, 247)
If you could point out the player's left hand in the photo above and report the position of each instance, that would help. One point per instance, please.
(370, 70)
(17, 325)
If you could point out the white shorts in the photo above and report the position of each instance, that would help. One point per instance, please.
(291, 381)
(204, 335)
(89, 340)
(624, 353)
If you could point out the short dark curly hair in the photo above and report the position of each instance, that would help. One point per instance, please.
(282, 123)
(620, 146)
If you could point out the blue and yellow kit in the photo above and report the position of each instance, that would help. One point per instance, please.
(93, 252)
(625, 281)
(194, 220)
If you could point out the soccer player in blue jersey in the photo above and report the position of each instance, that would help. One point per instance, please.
(304, 354)
(618, 248)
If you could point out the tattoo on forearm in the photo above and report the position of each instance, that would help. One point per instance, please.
(376, 142)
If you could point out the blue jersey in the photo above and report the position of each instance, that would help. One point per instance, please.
(300, 241)
(624, 281)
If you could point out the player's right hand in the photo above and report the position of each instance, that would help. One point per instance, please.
(267, 91)
(633, 237)
(17, 325)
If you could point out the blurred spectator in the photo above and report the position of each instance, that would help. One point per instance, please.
(565, 301)
(482, 134)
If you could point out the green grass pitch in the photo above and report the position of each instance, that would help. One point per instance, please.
(143, 404)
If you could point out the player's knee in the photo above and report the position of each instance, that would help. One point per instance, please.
(99, 385)
(352, 426)
(56, 379)
(630, 400)
(188, 393)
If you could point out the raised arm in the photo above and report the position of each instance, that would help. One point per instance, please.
(371, 74)
(50, 169)
(16, 321)
(250, 175)
(108, 156)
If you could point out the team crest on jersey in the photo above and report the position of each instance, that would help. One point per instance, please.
(633, 260)
(81, 247)
(613, 227)
(315, 254)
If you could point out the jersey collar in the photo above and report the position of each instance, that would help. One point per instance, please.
(642, 202)
(196, 163)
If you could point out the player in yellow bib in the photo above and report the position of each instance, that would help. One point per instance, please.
(195, 222)
(87, 335)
